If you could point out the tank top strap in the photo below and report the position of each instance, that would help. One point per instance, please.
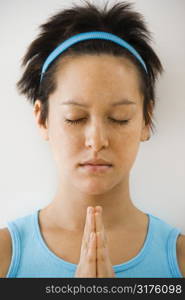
(16, 249)
(172, 252)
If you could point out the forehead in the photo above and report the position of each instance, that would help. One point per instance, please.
(97, 77)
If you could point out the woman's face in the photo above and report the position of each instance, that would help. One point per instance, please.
(99, 91)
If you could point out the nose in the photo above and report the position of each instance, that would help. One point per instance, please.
(96, 136)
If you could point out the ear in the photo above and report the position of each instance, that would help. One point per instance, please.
(42, 127)
(145, 132)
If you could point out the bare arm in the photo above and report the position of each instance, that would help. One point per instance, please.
(5, 251)
(181, 253)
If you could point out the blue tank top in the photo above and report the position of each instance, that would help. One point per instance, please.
(31, 256)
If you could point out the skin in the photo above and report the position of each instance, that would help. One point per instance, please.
(94, 257)
(96, 81)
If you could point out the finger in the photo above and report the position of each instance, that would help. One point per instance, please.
(98, 218)
(91, 254)
(99, 222)
(89, 227)
(104, 265)
(84, 244)
(87, 265)
(100, 240)
(89, 222)
(89, 208)
(101, 255)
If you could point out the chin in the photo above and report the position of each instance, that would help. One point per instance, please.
(94, 186)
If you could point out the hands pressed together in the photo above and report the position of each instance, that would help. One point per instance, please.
(94, 256)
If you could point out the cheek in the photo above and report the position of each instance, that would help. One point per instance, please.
(73, 144)
(126, 147)
(64, 144)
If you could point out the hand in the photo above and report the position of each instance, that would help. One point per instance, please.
(94, 256)
(103, 263)
(87, 264)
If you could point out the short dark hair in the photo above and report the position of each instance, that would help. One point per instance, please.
(120, 19)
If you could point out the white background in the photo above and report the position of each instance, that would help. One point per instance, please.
(27, 170)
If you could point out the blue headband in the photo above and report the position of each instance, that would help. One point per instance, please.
(87, 36)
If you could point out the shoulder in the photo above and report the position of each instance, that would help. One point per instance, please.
(181, 253)
(5, 251)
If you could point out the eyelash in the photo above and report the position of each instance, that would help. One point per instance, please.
(75, 122)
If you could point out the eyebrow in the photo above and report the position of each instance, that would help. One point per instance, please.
(121, 102)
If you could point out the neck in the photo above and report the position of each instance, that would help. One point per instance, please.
(69, 206)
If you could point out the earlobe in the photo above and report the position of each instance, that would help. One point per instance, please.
(43, 128)
(145, 134)
(145, 137)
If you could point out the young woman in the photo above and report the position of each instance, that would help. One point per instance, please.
(91, 76)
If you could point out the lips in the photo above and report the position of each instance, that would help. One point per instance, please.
(96, 166)
(96, 162)
(95, 169)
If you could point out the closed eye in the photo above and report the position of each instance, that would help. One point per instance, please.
(121, 122)
(73, 122)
